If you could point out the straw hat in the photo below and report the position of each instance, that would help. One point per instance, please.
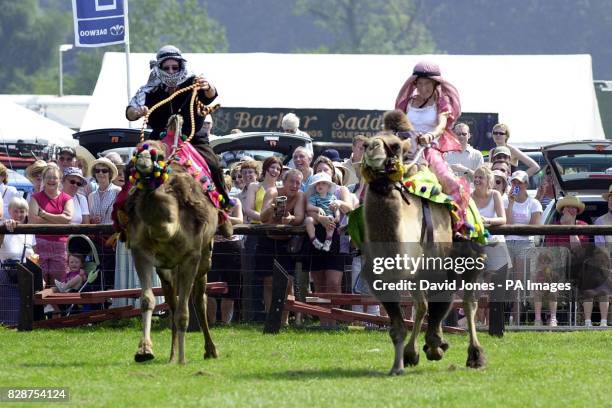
(570, 201)
(37, 167)
(105, 162)
(607, 195)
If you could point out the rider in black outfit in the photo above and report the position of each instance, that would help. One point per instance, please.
(168, 75)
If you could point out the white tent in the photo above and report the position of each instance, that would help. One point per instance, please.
(542, 98)
(19, 123)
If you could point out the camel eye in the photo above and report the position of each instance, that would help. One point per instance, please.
(366, 144)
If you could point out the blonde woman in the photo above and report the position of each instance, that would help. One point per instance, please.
(51, 206)
(501, 134)
(491, 207)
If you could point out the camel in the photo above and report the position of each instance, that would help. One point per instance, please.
(394, 222)
(171, 229)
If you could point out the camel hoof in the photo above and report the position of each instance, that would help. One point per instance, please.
(396, 372)
(476, 358)
(411, 358)
(142, 357)
(210, 354)
(433, 353)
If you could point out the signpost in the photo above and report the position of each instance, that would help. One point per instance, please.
(102, 22)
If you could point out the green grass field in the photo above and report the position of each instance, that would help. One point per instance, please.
(307, 368)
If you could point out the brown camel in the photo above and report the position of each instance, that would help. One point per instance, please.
(171, 230)
(394, 224)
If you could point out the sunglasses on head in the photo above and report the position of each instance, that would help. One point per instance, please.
(499, 133)
(74, 182)
(103, 171)
(173, 68)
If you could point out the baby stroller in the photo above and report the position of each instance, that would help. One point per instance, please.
(81, 244)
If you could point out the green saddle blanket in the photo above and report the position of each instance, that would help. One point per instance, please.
(424, 184)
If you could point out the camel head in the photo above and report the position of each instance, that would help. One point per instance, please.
(148, 168)
(383, 158)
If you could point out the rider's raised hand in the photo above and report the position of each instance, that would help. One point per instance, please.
(202, 83)
(143, 110)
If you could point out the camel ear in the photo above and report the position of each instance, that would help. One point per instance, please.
(406, 145)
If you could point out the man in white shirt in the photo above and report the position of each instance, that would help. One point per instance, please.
(466, 161)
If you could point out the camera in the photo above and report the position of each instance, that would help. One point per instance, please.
(280, 207)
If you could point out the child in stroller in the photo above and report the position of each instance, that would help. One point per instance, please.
(75, 276)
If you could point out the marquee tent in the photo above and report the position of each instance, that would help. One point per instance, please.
(19, 123)
(543, 98)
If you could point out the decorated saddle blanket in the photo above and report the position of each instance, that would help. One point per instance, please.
(425, 185)
(188, 157)
(192, 161)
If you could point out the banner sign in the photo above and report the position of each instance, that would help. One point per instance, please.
(335, 125)
(98, 22)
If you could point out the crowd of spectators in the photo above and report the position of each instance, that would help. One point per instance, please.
(316, 193)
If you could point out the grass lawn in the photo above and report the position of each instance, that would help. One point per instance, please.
(307, 368)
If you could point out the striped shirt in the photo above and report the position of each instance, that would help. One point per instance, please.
(101, 203)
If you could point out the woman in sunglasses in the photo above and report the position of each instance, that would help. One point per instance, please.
(71, 183)
(501, 134)
(100, 209)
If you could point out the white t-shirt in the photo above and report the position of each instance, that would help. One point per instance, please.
(521, 215)
(7, 192)
(470, 158)
(81, 208)
(12, 247)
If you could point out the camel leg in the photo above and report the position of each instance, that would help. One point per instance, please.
(435, 344)
(476, 357)
(144, 268)
(200, 296)
(411, 352)
(398, 334)
(165, 276)
(185, 279)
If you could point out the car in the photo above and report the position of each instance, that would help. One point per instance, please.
(582, 169)
(18, 156)
(258, 145)
(100, 140)
(20, 182)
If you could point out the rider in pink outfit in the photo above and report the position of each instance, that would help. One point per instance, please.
(432, 105)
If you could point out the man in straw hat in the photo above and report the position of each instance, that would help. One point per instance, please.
(568, 207)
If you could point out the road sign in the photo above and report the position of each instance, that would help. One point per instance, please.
(99, 22)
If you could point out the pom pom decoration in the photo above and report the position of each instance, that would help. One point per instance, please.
(152, 180)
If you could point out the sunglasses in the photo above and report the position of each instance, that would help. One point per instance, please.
(66, 158)
(462, 134)
(103, 171)
(173, 68)
(74, 182)
(499, 133)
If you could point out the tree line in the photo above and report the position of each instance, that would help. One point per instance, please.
(33, 29)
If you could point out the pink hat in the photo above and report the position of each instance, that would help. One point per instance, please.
(426, 69)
